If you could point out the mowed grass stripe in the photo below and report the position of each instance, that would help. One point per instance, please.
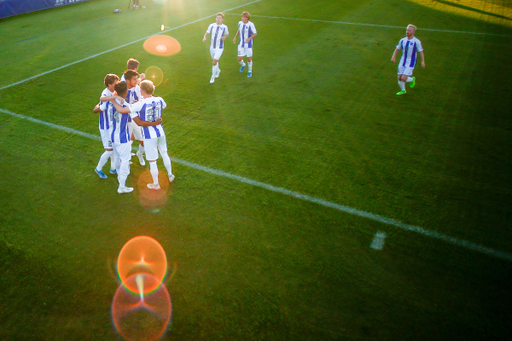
(119, 47)
(297, 195)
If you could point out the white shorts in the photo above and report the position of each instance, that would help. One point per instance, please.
(135, 129)
(216, 53)
(405, 70)
(244, 51)
(152, 146)
(106, 138)
(123, 151)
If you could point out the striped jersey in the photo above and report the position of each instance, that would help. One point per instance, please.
(105, 122)
(410, 49)
(246, 30)
(119, 129)
(133, 95)
(217, 32)
(149, 110)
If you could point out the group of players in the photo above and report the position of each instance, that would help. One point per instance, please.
(128, 111)
(219, 32)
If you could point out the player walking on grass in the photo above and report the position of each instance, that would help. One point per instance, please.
(219, 33)
(105, 124)
(411, 47)
(247, 32)
(149, 111)
(120, 134)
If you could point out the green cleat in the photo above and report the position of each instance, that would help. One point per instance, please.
(413, 83)
(401, 93)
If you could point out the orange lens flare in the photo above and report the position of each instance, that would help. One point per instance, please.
(142, 255)
(162, 45)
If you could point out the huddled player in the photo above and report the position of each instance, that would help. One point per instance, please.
(219, 32)
(105, 124)
(149, 111)
(247, 32)
(133, 95)
(411, 47)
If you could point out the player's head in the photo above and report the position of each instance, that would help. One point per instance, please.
(121, 89)
(131, 77)
(132, 64)
(246, 16)
(147, 86)
(411, 29)
(220, 17)
(110, 79)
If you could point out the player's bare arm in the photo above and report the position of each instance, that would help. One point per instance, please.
(143, 123)
(422, 59)
(249, 39)
(393, 58)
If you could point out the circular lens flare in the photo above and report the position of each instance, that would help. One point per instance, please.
(142, 255)
(162, 45)
(154, 74)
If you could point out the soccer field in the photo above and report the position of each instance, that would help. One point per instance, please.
(310, 202)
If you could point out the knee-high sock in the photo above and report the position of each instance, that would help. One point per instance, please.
(104, 158)
(153, 169)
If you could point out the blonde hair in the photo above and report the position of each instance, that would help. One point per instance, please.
(221, 14)
(246, 14)
(413, 27)
(147, 86)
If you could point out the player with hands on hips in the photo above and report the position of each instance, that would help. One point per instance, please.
(219, 32)
(411, 47)
(247, 32)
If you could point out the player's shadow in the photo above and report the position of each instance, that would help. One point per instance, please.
(449, 3)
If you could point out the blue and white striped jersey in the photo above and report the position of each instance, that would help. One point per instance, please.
(119, 129)
(246, 30)
(149, 110)
(105, 122)
(133, 95)
(217, 32)
(410, 49)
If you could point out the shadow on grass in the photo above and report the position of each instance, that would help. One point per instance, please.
(467, 8)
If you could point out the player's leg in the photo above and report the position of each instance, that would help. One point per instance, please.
(137, 135)
(241, 55)
(152, 156)
(401, 83)
(162, 148)
(107, 144)
(124, 156)
(249, 61)
(218, 54)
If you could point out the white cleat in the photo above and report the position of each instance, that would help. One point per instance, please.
(218, 73)
(154, 186)
(141, 158)
(125, 189)
(171, 177)
(213, 79)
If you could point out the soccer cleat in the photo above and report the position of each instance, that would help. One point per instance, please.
(124, 189)
(171, 177)
(242, 68)
(113, 171)
(401, 93)
(212, 79)
(413, 83)
(154, 186)
(249, 74)
(100, 173)
(217, 74)
(141, 158)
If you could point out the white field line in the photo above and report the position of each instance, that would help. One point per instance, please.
(119, 47)
(374, 25)
(297, 195)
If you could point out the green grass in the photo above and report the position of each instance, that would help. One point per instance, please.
(319, 117)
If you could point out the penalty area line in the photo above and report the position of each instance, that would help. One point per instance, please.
(119, 47)
(304, 197)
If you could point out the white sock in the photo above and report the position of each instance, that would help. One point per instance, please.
(167, 163)
(409, 79)
(250, 66)
(214, 70)
(153, 169)
(112, 161)
(141, 149)
(242, 62)
(103, 159)
(122, 173)
(401, 84)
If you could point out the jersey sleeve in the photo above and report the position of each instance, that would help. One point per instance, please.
(103, 106)
(226, 32)
(209, 29)
(399, 46)
(419, 46)
(253, 28)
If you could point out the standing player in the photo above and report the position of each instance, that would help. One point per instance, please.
(133, 64)
(133, 95)
(104, 125)
(411, 46)
(149, 110)
(120, 135)
(247, 32)
(219, 33)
